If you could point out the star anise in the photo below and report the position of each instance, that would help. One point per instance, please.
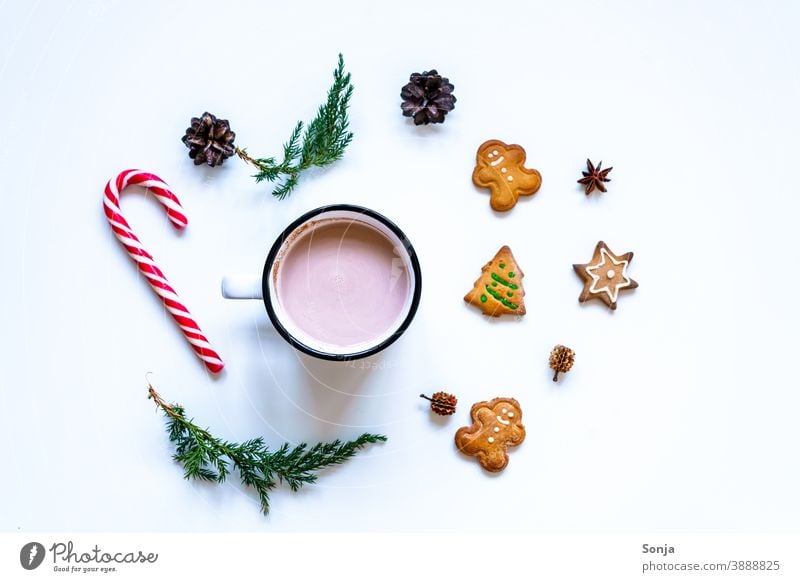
(595, 177)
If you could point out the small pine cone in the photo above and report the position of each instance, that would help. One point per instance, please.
(442, 403)
(561, 360)
(210, 140)
(427, 97)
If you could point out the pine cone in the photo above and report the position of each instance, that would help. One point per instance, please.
(442, 403)
(561, 360)
(210, 140)
(427, 97)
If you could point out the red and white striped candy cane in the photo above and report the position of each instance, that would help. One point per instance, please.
(144, 260)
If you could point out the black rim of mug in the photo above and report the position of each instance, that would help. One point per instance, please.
(276, 247)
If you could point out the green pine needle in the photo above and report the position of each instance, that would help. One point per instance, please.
(323, 142)
(209, 458)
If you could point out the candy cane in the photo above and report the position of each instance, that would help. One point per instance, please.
(144, 260)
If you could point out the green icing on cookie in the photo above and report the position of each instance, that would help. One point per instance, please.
(501, 299)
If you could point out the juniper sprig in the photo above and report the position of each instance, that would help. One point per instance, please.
(323, 142)
(209, 458)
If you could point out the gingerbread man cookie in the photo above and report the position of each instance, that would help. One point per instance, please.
(498, 291)
(605, 276)
(496, 425)
(500, 167)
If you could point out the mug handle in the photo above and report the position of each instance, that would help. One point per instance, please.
(242, 287)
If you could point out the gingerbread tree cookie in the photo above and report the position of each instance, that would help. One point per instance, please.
(496, 425)
(501, 168)
(498, 291)
(605, 276)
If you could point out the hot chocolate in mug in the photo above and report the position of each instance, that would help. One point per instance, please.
(341, 282)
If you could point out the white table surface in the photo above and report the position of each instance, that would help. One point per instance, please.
(681, 411)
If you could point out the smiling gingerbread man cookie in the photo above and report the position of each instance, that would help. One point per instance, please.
(500, 167)
(496, 425)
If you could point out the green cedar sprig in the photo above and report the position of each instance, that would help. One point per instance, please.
(323, 142)
(209, 458)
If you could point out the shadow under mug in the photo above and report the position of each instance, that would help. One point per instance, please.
(404, 267)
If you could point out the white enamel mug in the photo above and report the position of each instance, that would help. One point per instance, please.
(341, 282)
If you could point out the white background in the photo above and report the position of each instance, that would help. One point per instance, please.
(681, 411)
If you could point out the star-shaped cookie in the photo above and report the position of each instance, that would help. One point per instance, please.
(605, 275)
